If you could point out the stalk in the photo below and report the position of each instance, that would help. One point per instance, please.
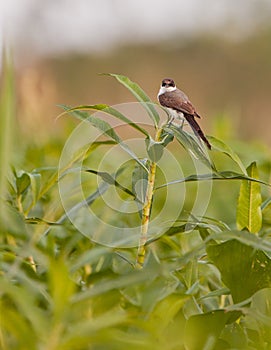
(141, 251)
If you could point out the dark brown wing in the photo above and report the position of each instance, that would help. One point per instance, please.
(178, 101)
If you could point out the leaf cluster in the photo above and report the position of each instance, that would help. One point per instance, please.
(206, 284)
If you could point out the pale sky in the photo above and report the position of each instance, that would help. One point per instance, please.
(56, 26)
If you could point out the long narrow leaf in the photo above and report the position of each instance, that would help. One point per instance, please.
(244, 237)
(111, 181)
(191, 145)
(106, 129)
(249, 214)
(139, 184)
(39, 221)
(186, 226)
(266, 203)
(222, 175)
(108, 110)
(222, 147)
(140, 95)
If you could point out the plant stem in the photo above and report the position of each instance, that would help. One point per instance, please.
(141, 251)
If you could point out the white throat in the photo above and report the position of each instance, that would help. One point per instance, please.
(164, 89)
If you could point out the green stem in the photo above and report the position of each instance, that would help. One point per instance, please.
(141, 251)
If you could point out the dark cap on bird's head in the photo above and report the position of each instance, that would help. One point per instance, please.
(168, 82)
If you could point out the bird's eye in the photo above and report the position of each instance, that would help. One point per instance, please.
(164, 84)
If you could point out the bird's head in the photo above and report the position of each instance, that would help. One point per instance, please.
(167, 85)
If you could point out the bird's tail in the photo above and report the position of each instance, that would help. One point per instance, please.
(196, 128)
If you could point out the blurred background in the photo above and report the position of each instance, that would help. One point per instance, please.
(219, 53)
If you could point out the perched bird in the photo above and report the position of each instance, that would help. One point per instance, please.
(176, 101)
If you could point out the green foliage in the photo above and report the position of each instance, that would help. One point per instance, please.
(7, 115)
(106, 109)
(103, 126)
(193, 147)
(222, 147)
(202, 331)
(240, 264)
(249, 213)
(140, 95)
(204, 285)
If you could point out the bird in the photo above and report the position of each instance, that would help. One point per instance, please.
(177, 102)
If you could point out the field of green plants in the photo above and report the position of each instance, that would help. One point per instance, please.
(128, 235)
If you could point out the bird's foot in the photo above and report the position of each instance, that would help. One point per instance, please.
(182, 124)
(170, 122)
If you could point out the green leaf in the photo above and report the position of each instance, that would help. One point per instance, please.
(266, 203)
(260, 314)
(39, 221)
(203, 225)
(216, 293)
(244, 237)
(222, 147)
(96, 122)
(61, 288)
(105, 176)
(140, 183)
(155, 149)
(22, 182)
(158, 288)
(244, 269)
(140, 95)
(86, 150)
(192, 225)
(221, 175)
(166, 137)
(249, 214)
(236, 336)
(106, 129)
(26, 181)
(35, 179)
(111, 181)
(165, 311)
(11, 220)
(94, 331)
(109, 110)
(192, 146)
(203, 331)
(89, 257)
(28, 311)
(119, 282)
(213, 224)
(140, 180)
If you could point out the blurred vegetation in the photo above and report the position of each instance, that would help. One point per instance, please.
(230, 79)
(206, 282)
